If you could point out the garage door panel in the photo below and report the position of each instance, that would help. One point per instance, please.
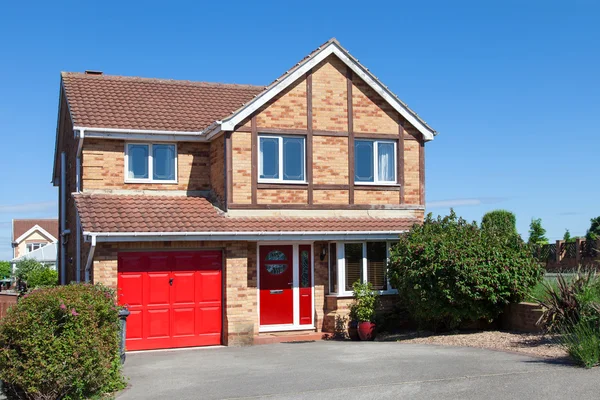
(186, 313)
(208, 286)
(131, 292)
(158, 323)
(184, 321)
(184, 287)
(157, 289)
(208, 320)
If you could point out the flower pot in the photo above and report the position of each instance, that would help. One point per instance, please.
(353, 330)
(366, 330)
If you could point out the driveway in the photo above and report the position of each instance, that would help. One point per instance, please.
(352, 370)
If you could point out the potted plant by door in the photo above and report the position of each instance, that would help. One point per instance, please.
(353, 325)
(363, 308)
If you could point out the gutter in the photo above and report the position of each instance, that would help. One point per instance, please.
(90, 258)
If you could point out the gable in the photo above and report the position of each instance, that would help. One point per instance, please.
(25, 228)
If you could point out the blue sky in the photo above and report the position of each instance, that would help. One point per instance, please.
(512, 86)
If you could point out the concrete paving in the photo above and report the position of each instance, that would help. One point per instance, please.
(352, 370)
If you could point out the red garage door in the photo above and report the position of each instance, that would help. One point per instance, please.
(174, 298)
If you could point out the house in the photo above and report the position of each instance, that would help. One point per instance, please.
(29, 235)
(223, 213)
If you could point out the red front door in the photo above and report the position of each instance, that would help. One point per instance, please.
(276, 285)
(174, 298)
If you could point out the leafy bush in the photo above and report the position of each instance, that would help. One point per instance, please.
(61, 342)
(25, 267)
(5, 269)
(582, 341)
(365, 302)
(570, 300)
(593, 233)
(448, 271)
(44, 277)
(537, 234)
(501, 222)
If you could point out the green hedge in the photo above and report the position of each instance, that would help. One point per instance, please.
(61, 342)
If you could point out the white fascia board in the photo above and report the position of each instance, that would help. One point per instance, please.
(141, 134)
(332, 48)
(33, 229)
(242, 236)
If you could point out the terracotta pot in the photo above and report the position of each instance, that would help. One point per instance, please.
(366, 330)
(353, 330)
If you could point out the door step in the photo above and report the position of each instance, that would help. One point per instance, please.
(288, 337)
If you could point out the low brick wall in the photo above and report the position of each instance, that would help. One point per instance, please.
(521, 317)
(6, 300)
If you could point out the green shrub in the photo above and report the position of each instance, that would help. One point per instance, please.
(44, 277)
(365, 302)
(448, 271)
(501, 222)
(569, 300)
(61, 342)
(26, 267)
(582, 341)
(5, 269)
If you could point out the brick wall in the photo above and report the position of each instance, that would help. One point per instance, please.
(282, 196)
(7, 300)
(104, 167)
(521, 317)
(330, 104)
(217, 168)
(330, 161)
(287, 110)
(242, 167)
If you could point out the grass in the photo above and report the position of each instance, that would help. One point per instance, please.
(539, 291)
(582, 342)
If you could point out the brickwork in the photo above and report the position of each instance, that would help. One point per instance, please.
(411, 172)
(282, 196)
(321, 283)
(330, 96)
(287, 110)
(104, 167)
(242, 167)
(521, 317)
(330, 161)
(7, 300)
(371, 112)
(330, 196)
(217, 168)
(337, 311)
(376, 197)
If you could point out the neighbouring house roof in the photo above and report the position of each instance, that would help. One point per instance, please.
(45, 254)
(107, 101)
(104, 213)
(23, 226)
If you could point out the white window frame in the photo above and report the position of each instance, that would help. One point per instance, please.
(376, 180)
(341, 268)
(280, 146)
(32, 244)
(150, 164)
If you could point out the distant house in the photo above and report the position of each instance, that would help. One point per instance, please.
(30, 235)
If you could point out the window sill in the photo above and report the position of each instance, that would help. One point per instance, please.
(275, 182)
(377, 184)
(351, 294)
(150, 181)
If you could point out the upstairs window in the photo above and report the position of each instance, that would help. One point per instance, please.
(281, 159)
(34, 246)
(374, 162)
(150, 162)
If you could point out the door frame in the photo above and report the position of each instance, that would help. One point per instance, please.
(295, 326)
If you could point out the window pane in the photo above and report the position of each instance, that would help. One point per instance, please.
(163, 156)
(386, 165)
(304, 269)
(376, 262)
(363, 161)
(354, 259)
(269, 158)
(138, 161)
(332, 268)
(293, 159)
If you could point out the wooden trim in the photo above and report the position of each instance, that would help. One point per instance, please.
(382, 188)
(229, 170)
(330, 187)
(385, 136)
(276, 131)
(309, 136)
(254, 159)
(400, 161)
(409, 137)
(282, 186)
(303, 206)
(422, 172)
(350, 136)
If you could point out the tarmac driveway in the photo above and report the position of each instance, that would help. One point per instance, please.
(352, 370)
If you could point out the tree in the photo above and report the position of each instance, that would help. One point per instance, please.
(449, 271)
(537, 234)
(25, 267)
(594, 232)
(502, 222)
(567, 236)
(5, 269)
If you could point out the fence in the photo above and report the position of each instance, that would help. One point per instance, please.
(569, 255)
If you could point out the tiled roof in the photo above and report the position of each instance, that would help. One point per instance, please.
(106, 101)
(20, 226)
(147, 213)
